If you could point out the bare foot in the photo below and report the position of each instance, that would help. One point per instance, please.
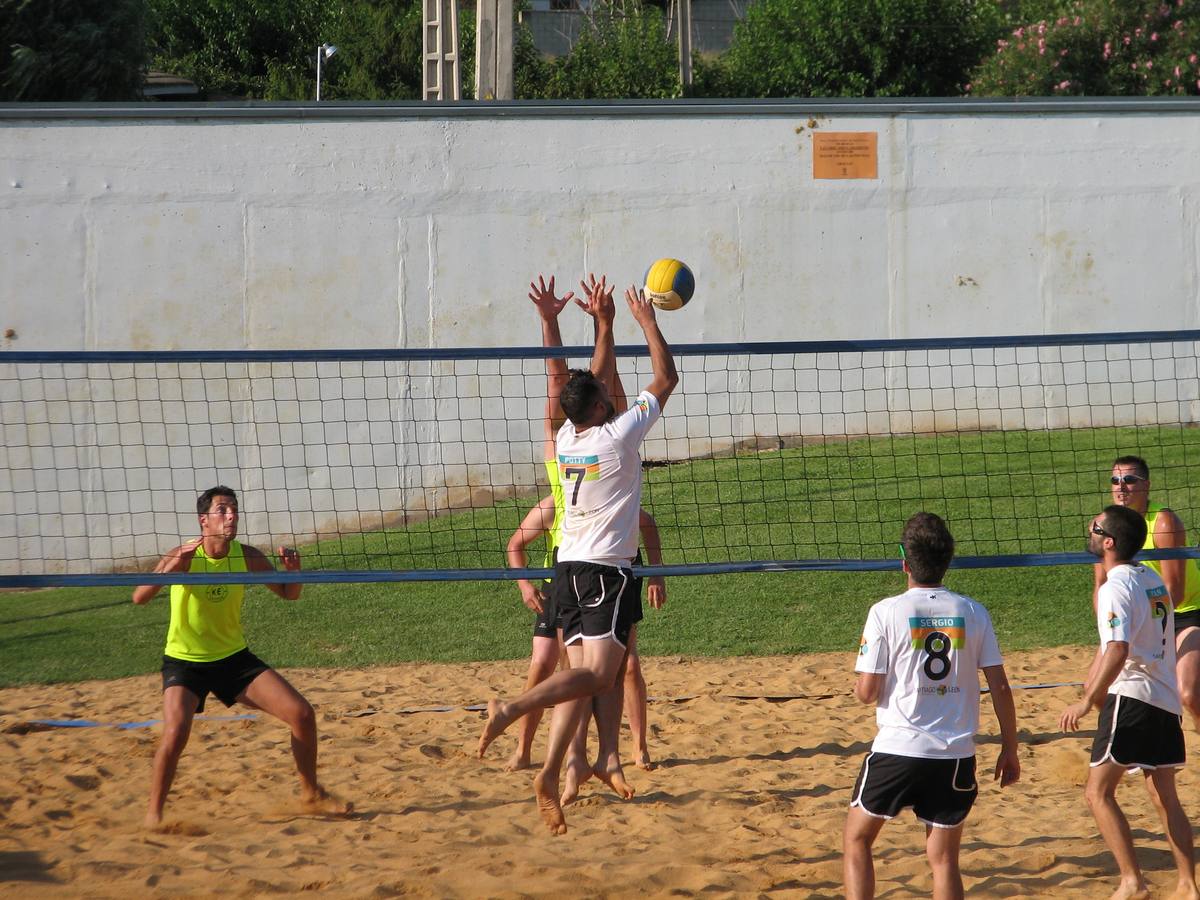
(497, 721)
(614, 777)
(518, 761)
(153, 821)
(641, 759)
(323, 803)
(547, 801)
(1186, 891)
(1131, 891)
(578, 771)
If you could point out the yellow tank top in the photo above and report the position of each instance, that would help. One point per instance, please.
(206, 619)
(1191, 574)
(554, 538)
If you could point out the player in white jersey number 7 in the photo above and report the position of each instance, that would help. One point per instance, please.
(594, 589)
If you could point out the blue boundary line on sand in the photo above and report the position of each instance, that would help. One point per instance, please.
(384, 576)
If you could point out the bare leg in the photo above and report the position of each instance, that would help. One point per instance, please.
(1187, 671)
(858, 866)
(561, 687)
(542, 664)
(563, 726)
(1101, 791)
(271, 693)
(608, 732)
(635, 704)
(578, 768)
(1161, 785)
(941, 847)
(179, 709)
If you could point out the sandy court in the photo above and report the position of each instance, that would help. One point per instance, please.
(749, 796)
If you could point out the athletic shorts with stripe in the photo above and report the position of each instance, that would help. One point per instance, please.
(1138, 735)
(596, 602)
(226, 678)
(940, 791)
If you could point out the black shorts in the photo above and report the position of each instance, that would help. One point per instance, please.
(940, 791)
(1189, 619)
(1137, 735)
(596, 602)
(548, 620)
(226, 678)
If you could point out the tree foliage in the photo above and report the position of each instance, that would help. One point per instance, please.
(623, 53)
(1097, 47)
(268, 48)
(71, 50)
(858, 48)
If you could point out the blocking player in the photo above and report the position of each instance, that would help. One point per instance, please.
(601, 468)
(1131, 487)
(1132, 682)
(918, 663)
(206, 651)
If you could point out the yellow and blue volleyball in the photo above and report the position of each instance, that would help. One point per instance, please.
(669, 284)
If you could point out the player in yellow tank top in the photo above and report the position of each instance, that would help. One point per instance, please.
(206, 651)
(206, 619)
(1130, 483)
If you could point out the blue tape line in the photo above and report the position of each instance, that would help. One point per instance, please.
(89, 723)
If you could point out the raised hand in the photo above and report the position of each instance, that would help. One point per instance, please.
(290, 557)
(542, 295)
(599, 303)
(642, 309)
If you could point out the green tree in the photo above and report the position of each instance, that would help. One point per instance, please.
(71, 50)
(859, 48)
(623, 53)
(1097, 47)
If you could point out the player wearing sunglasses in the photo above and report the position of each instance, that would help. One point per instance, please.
(1130, 483)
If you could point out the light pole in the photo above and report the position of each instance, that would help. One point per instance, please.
(323, 53)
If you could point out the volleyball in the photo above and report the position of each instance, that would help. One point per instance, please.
(669, 284)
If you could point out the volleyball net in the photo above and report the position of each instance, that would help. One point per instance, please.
(419, 464)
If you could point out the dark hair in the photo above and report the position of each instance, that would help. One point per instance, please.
(204, 501)
(1127, 528)
(928, 547)
(579, 395)
(1141, 470)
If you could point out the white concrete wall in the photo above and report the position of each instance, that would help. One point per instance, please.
(315, 233)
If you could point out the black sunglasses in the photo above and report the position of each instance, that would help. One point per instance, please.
(1127, 479)
(1096, 529)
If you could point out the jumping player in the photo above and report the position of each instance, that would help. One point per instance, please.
(1131, 487)
(1132, 682)
(206, 651)
(601, 472)
(918, 663)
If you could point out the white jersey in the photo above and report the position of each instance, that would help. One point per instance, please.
(930, 643)
(1133, 606)
(601, 474)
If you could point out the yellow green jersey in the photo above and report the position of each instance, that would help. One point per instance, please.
(556, 491)
(206, 619)
(1191, 574)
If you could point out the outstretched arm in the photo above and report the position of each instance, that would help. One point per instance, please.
(656, 585)
(661, 361)
(177, 560)
(537, 521)
(256, 561)
(1008, 763)
(548, 307)
(600, 307)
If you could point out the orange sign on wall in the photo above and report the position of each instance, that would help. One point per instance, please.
(845, 154)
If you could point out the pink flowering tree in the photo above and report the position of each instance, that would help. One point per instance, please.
(1098, 48)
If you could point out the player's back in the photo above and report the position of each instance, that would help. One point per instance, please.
(930, 644)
